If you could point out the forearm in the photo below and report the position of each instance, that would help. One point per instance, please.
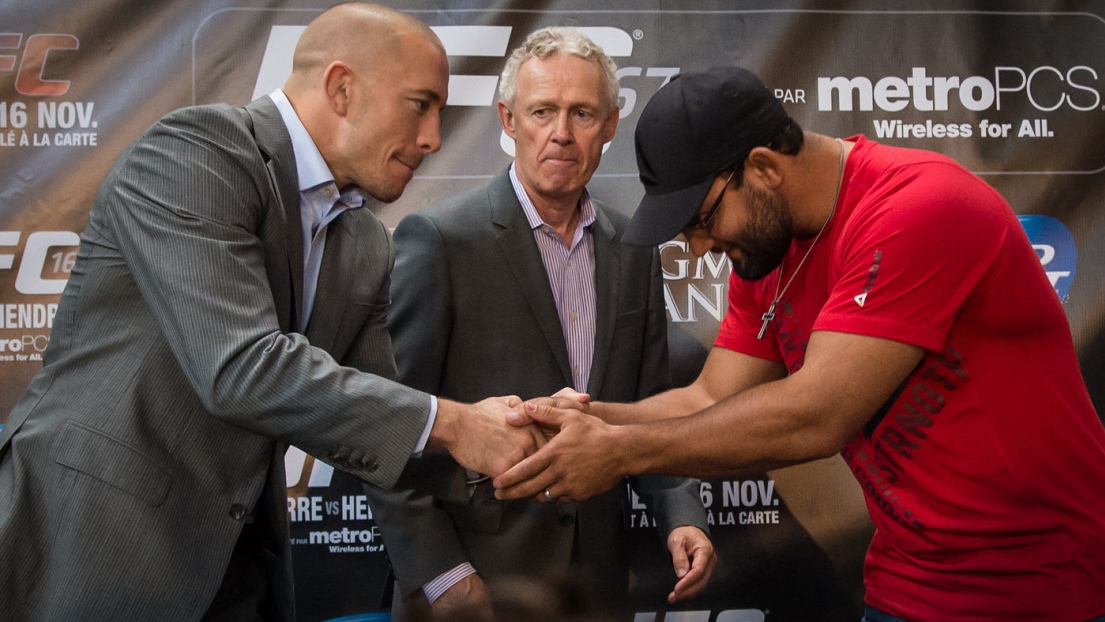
(761, 425)
(752, 432)
(588, 456)
(725, 373)
(669, 404)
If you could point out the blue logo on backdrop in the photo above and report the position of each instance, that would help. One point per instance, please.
(1054, 245)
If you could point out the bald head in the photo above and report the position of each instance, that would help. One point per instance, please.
(360, 34)
(368, 83)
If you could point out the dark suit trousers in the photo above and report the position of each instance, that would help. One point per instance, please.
(245, 594)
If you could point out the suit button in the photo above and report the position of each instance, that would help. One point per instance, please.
(371, 465)
(238, 511)
(567, 520)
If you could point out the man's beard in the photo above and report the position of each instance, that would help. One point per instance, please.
(766, 237)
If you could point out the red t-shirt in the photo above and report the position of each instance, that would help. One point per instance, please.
(985, 474)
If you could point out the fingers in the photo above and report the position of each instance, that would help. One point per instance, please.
(679, 561)
(514, 412)
(546, 414)
(545, 496)
(540, 436)
(693, 552)
(528, 478)
(692, 584)
(572, 394)
(518, 418)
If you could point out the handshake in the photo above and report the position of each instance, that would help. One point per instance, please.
(562, 448)
(551, 448)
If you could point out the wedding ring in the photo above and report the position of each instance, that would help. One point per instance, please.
(548, 497)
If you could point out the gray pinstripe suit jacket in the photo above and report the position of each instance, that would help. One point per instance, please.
(472, 316)
(173, 379)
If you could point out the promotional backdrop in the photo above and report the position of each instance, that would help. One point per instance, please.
(1013, 91)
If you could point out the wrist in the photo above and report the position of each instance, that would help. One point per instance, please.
(443, 433)
(624, 446)
(614, 413)
(446, 580)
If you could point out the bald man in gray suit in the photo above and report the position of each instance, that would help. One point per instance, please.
(229, 298)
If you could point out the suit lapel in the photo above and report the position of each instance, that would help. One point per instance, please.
(276, 147)
(607, 280)
(523, 259)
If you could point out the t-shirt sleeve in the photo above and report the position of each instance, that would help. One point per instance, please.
(907, 263)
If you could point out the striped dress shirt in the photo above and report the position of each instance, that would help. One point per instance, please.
(571, 270)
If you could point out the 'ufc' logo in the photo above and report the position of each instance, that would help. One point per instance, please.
(29, 80)
(464, 90)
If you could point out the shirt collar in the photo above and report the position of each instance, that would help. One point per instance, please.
(586, 208)
(311, 168)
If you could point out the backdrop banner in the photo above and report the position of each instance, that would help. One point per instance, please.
(1014, 94)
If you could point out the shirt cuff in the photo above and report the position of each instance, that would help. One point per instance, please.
(425, 438)
(443, 582)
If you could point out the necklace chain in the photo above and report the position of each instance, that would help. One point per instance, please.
(770, 314)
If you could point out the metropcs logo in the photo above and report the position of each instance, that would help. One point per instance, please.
(466, 90)
(1046, 88)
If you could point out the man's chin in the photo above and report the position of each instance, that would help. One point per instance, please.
(750, 271)
(387, 194)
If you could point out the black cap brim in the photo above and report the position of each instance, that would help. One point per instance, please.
(661, 217)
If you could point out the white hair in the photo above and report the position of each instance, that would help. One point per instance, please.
(552, 40)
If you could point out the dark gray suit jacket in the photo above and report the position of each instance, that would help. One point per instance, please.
(173, 379)
(473, 316)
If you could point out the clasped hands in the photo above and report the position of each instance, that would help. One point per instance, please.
(567, 454)
(550, 449)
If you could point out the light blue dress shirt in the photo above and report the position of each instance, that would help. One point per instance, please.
(321, 201)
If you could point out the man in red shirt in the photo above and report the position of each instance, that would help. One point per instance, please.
(885, 304)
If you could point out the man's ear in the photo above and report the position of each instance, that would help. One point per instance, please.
(765, 165)
(506, 118)
(337, 82)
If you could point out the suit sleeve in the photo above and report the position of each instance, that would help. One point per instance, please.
(675, 501)
(420, 535)
(183, 209)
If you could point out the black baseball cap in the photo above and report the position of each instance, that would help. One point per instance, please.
(694, 127)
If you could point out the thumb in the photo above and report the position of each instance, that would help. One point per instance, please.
(544, 414)
(517, 417)
(572, 394)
